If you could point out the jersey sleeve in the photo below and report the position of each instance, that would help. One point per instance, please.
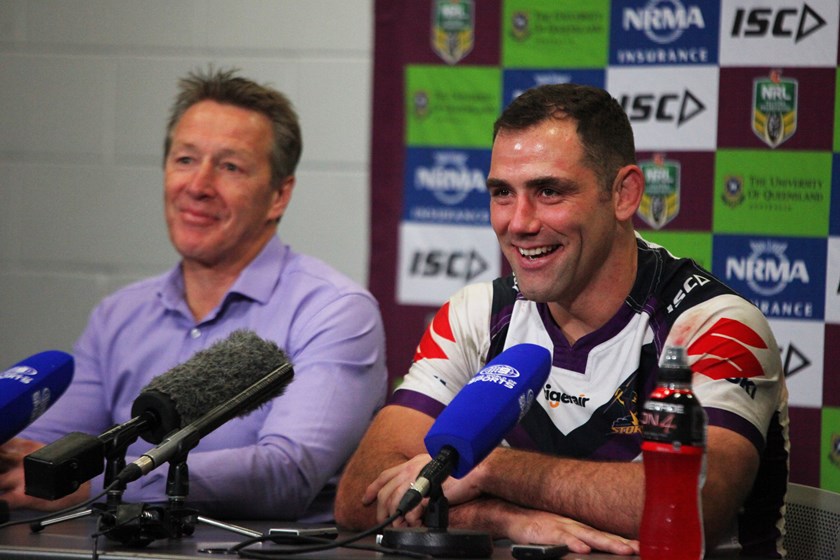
(453, 348)
(738, 374)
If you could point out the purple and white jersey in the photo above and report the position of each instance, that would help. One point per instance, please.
(590, 405)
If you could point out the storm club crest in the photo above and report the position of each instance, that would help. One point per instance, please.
(774, 108)
(453, 29)
(661, 199)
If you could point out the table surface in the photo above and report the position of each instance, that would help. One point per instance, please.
(72, 539)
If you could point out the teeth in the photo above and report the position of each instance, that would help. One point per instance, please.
(533, 253)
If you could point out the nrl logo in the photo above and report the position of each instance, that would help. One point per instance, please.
(661, 199)
(774, 108)
(453, 25)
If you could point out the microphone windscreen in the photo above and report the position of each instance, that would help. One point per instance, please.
(490, 405)
(209, 378)
(30, 387)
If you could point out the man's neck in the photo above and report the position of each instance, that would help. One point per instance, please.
(603, 296)
(204, 288)
(206, 285)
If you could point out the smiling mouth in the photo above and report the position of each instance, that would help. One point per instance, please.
(197, 215)
(537, 252)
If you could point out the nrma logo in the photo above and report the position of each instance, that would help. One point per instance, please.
(767, 270)
(449, 178)
(662, 21)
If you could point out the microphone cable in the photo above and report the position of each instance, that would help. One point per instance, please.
(35, 522)
(319, 544)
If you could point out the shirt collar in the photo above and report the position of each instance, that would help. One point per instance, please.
(257, 281)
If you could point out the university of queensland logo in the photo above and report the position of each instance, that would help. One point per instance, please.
(453, 29)
(774, 108)
(733, 190)
(520, 26)
(834, 450)
(661, 199)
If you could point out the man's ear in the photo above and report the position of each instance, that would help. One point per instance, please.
(628, 188)
(281, 199)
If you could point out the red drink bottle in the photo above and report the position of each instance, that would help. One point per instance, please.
(673, 452)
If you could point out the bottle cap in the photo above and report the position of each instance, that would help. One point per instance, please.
(674, 367)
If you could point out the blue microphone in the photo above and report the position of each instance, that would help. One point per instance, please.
(30, 387)
(477, 419)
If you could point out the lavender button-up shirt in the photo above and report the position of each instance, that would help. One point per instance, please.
(282, 460)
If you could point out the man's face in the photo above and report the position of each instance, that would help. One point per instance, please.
(553, 219)
(219, 203)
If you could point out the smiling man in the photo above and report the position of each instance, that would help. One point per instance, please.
(231, 150)
(564, 186)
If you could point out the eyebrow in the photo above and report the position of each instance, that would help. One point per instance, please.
(492, 183)
(536, 183)
(226, 152)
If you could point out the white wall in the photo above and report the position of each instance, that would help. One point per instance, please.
(85, 87)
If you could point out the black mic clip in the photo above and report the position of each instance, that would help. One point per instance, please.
(429, 480)
(434, 538)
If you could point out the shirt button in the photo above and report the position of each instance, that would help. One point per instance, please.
(195, 333)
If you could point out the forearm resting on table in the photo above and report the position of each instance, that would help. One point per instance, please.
(522, 525)
(606, 495)
(610, 495)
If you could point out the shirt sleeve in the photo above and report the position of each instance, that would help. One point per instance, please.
(308, 433)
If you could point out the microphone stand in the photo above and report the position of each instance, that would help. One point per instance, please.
(138, 524)
(115, 450)
(435, 539)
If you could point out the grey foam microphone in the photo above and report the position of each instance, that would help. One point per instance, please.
(170, 401)
(177, 445)
(212, 376)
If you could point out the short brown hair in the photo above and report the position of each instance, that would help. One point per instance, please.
(225, 86)
(602, 125)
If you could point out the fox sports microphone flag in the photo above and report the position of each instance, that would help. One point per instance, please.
(30, 387)
(490, 405)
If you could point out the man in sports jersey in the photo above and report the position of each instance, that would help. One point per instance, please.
(564, 186)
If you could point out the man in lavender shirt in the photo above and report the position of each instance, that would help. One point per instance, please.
(230, 156)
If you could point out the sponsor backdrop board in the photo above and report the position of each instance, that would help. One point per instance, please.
(735, 110)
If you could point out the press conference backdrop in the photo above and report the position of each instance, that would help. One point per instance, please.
(734, 108)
